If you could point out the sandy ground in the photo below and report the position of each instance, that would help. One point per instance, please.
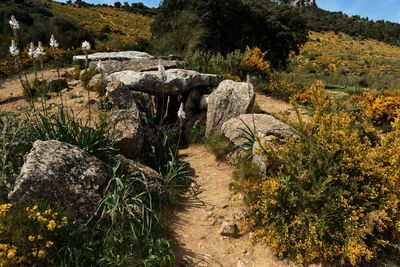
(75, 98)
(196, 226)
(280, 109)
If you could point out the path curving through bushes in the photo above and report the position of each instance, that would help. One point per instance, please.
(196, 222)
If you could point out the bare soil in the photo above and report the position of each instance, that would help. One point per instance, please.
(196, 225)
(76, 98)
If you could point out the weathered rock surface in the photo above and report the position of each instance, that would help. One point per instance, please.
(128, 133)
(177, 81)
(56, 85)
(95, 80)
(258, 151)
(260, 124)
(63, 175)
(118, 56)
(229, 229)
(152, 180)
(228, 101)
(120, 96)
(139, 65)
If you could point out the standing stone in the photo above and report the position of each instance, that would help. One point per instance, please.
(119, 95)
(260, 124)
(63, 175)
(228, 101)
(128, 132)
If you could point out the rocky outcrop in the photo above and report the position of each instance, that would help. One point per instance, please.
(96, 79)
(139, 65)
(148, 179)
(260, 124)
(120, 96)
(63, 175)
(56, 85)
(176, 81)
(128, 131)
(117, 56)
(228, 101)
(297, 3)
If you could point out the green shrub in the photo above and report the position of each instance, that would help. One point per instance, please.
(196, 135)
(29, 235)
(333, 195)
(64, 126)
(15, 141)
(208, 62)
(220, 146)
(86, 76)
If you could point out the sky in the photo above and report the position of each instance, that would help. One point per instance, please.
(373, 9)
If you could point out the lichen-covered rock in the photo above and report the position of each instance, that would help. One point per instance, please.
(138, 64)
(117, 56)
(258, 151)
(119, 95)
(56, 85)
(151, 180)
(176, 82)
(128, 131)
(228, 101)
(63, 175)
(260, 124)
(96, 79)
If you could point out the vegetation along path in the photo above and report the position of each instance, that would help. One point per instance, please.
(196, 224)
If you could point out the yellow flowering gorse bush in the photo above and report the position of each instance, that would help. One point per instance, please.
(380, 108)
(27, 235)
(254, 62)
(333, 195)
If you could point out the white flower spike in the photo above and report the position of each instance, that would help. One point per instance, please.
(32, 50)
(248, 81)
(39, 50)
(181, 113)
(14, 49)
(14, 24)
(53, 42)
(100, 66)
(86, 46)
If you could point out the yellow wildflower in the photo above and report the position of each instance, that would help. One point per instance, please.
(52, 225)
(49, 244)
(31, 238)
(11, 253)
(41, 254)
(39, 237)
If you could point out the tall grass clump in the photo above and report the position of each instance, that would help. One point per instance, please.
(65, 126)
(332, 196)
(15, 142)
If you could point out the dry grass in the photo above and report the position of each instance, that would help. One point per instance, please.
(125, 27)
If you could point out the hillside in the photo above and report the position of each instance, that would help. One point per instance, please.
(339, 59)
(113, 27)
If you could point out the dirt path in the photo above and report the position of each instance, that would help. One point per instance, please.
(279, 108)
(196, 227)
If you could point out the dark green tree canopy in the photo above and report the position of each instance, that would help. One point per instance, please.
(224, 26)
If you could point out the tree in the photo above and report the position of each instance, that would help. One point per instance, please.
(226, 26)
(117, 4)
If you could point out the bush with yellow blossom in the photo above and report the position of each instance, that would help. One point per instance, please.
(333, 195)
(254, 62)
(27, 236)
(380, 109)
